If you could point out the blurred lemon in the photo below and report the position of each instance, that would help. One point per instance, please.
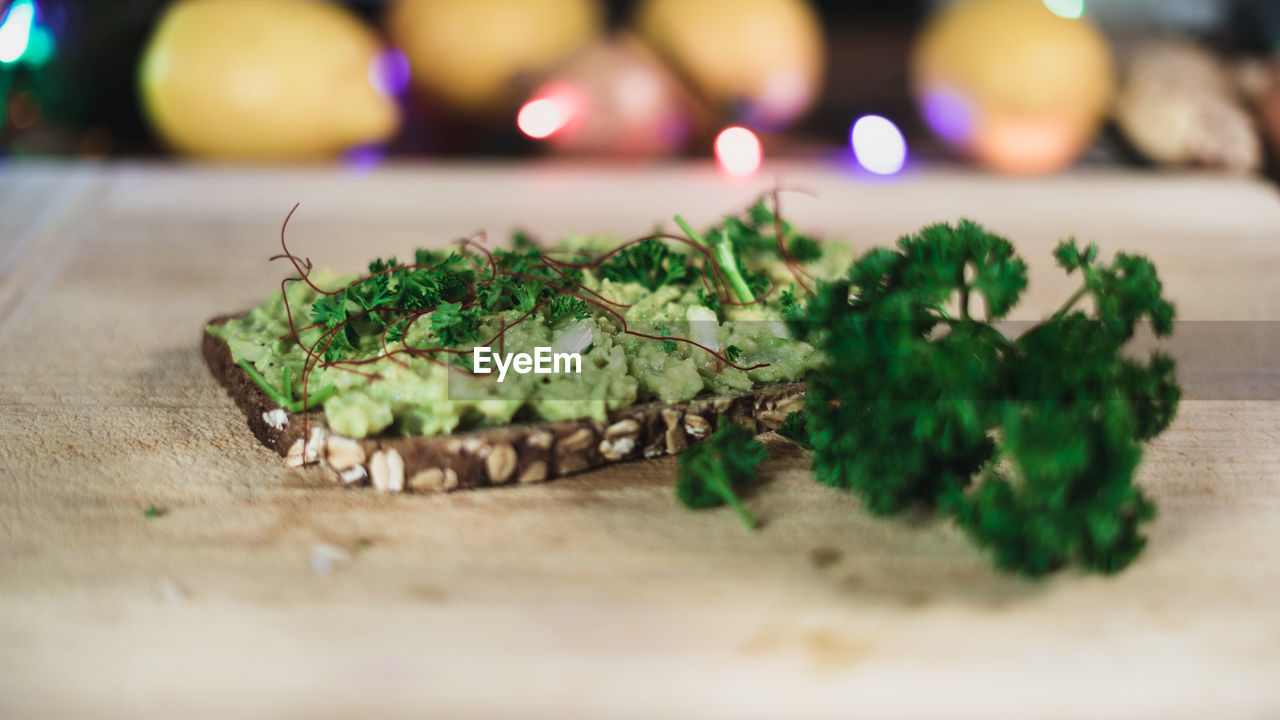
(264, 79)
(762, 58)
(1019, 87)
(472, 53)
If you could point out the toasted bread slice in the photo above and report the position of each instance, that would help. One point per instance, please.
(519, 453)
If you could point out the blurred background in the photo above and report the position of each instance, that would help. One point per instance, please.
(1010, 86)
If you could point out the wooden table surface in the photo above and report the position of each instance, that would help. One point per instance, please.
(594, 595)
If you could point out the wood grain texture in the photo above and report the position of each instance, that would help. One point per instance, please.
(595, 595)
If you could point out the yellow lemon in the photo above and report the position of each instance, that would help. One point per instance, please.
(264, 80)
(1019, 87)
(763, 58)
(472, 53)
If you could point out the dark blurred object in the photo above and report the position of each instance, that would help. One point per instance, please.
(85, 93)
(1255, 26)
(615, 99)
(1269, 107)
(1180, 104)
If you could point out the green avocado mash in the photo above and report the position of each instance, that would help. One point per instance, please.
(464, 299)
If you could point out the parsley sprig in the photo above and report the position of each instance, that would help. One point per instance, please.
(650, 263)
(1029, 444)
(713, 472)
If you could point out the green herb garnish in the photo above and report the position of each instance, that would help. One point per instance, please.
(453, 323)
(712, 472)
(151, 512)
(1030, 444)
(754, 236)
(796, 429)
(650, 263)
(722, 252)
(286, 398)
(668, 345)
(567, 307)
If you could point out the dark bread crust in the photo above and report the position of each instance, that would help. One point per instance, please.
(494, 456)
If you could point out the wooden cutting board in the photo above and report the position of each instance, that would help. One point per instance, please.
(268, 592)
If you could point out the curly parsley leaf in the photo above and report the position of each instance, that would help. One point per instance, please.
(1030, 444)
(754, 236)
(710, 301)
(567, 307)
(453, 324)
(796, 429)
(650, 263)
(713, 472)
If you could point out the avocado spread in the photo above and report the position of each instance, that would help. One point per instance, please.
(661, 318)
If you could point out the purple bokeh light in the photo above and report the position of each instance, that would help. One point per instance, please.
(360, 160)
(949, 115)
(389, 72)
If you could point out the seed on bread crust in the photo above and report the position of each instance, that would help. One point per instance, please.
(343, 453)
(675, 437)
(276, 418)
(697, 426)
(536, 472)
(620, 439)
(434, 480)
(387, 469)
(500, 463)
(791, 403)
(353, 475)
(305, 452)
(571, 451)
(770, 419)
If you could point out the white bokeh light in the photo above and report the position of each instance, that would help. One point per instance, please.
(540, 118)
(15, 32)
(1069, 9)
(878, 145)
(738, 151)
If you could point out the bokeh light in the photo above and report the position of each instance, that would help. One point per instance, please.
(878, 144)
(551, 109)
(1069, 9)
(360, 160)
(738, 151)
(948, 115)
(389, 72)
(15, 30)
(24, 110)
(540, 118)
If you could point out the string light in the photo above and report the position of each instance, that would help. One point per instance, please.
(1069, 9)
(389, 72)
(550, 110)
(878, 144)
(15, 30)
(539, 118)
(738, 151)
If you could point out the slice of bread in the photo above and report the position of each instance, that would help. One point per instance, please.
(521, 453)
